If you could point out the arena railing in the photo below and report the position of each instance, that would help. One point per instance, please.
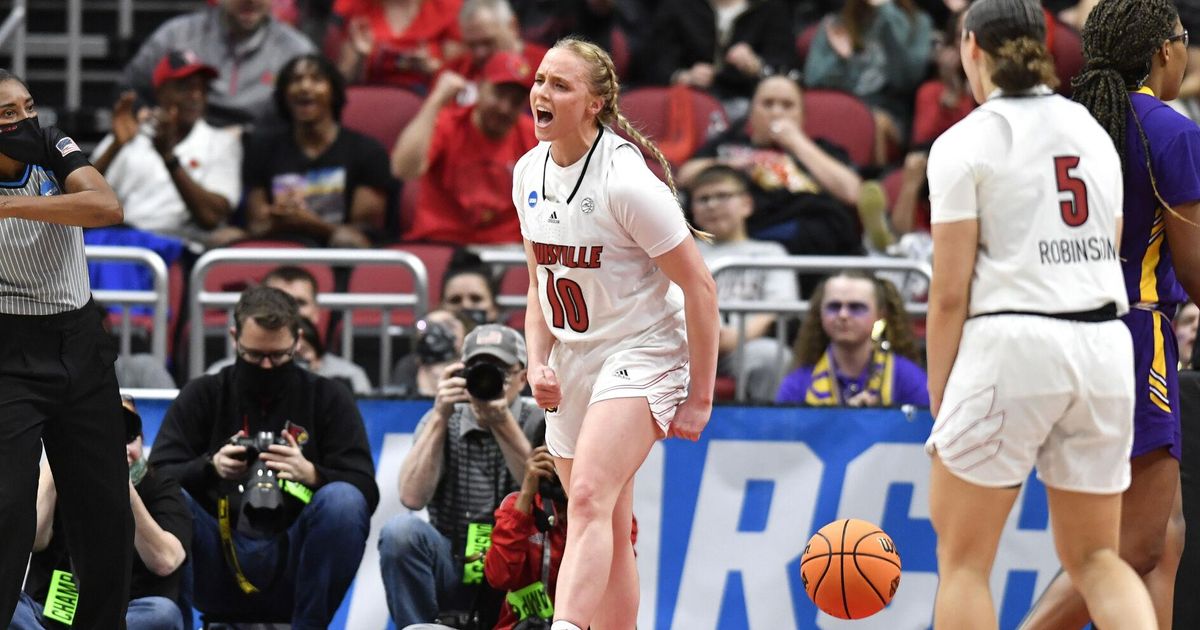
(156, 299)
(417, 301)
(505, 259)
(15, 26)
(798, 308)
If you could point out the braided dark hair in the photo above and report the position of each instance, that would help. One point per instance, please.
(1120, 39)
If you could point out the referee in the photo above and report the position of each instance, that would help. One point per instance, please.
(57, 382)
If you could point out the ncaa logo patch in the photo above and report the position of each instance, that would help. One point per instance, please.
(588, 205)
(532, 198)
(66, 146)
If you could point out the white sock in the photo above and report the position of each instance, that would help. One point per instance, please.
(564, 625)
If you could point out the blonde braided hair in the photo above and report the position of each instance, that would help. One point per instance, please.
(603, 82)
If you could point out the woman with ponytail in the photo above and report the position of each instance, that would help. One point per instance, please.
(1136, 55)
(1028, 363)
(622, 313)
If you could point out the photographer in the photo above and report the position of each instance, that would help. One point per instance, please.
(441, 334)
(298, 532)
(162, 536)
(469, 451)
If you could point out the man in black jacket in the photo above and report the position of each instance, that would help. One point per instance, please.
(280, 526)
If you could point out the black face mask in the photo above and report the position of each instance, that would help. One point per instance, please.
(23, 141)
(259, 382)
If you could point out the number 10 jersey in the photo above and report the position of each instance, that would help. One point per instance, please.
(595, 227)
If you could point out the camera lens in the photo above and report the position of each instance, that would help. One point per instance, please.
(485, 381)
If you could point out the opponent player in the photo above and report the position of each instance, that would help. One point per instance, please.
(1136, 53)
(617, 275)
(1028, 363)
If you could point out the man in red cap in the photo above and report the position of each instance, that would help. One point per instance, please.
(462, 158)
(174, 173)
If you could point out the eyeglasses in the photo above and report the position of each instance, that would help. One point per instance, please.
(275, 358)
(717, 198)
(1180, 37)
(857, 309)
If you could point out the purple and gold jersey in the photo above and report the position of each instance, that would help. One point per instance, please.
(1175, 156)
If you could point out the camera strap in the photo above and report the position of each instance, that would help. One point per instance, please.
(226, 531)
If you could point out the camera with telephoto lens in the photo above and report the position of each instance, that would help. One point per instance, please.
(485, 380)
(262, 499)
(436, 344)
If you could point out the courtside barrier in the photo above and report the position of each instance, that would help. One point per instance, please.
(723, 522)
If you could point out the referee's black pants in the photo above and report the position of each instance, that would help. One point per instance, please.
(57, 385)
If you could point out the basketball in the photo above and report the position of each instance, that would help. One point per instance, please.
(850, 569)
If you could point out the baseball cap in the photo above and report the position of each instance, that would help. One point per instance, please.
(495, 340)
(507, 67)
(995, 22)
(179, 64)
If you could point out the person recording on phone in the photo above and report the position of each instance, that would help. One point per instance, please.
(468, 453)
(278, 474)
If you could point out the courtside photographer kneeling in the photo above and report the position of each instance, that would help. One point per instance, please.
(278, 473)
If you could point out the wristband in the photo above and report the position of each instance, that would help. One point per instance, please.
(171, 163)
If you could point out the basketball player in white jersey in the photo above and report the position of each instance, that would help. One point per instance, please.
(1028, 363)
(622, 321)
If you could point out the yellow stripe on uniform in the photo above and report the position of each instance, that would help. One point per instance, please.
(1158, 367)
(1149, 281)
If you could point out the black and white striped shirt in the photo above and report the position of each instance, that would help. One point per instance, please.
(42, 266)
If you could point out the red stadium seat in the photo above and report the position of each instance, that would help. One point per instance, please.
(842, 119)
(1067, 50)
(390, 279)
(238, 276)
(650, 110)
(804, 41)
(407, 205)
(515, 281)
(379, 111)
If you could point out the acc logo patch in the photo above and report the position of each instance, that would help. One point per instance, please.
(66, 146)
(532, 198)
(588, 205)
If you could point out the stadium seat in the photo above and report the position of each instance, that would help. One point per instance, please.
(379, 111)
(650, 109)
(390, 279)
(515, 281)
(842, 119)
(804, 42)
(239, 276)
(407, 206)
(1067, 50)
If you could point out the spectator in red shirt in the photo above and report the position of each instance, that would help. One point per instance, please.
(463, 158)
(488, 27)
(397, 42)
(514, 561)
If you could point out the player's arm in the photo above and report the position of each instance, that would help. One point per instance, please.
(684, 266)
(87, 202)
(1183, 237)
(538, 338)
(956, 244)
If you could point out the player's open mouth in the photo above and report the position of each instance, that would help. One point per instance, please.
(543, 117)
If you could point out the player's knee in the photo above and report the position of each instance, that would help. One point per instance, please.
(589, 502)
(1143, 553)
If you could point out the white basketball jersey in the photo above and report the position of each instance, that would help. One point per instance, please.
(1044, 181)
(595, 227)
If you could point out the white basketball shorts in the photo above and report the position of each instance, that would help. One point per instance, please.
(1029, 390)
(651, 365)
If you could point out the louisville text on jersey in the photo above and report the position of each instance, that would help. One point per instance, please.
(569, 256)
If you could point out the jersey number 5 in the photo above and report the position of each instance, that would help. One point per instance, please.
(566, 303)
(1074, 210)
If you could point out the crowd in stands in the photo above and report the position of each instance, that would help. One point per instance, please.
(229, 125)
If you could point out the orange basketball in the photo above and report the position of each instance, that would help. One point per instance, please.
(850, 569)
